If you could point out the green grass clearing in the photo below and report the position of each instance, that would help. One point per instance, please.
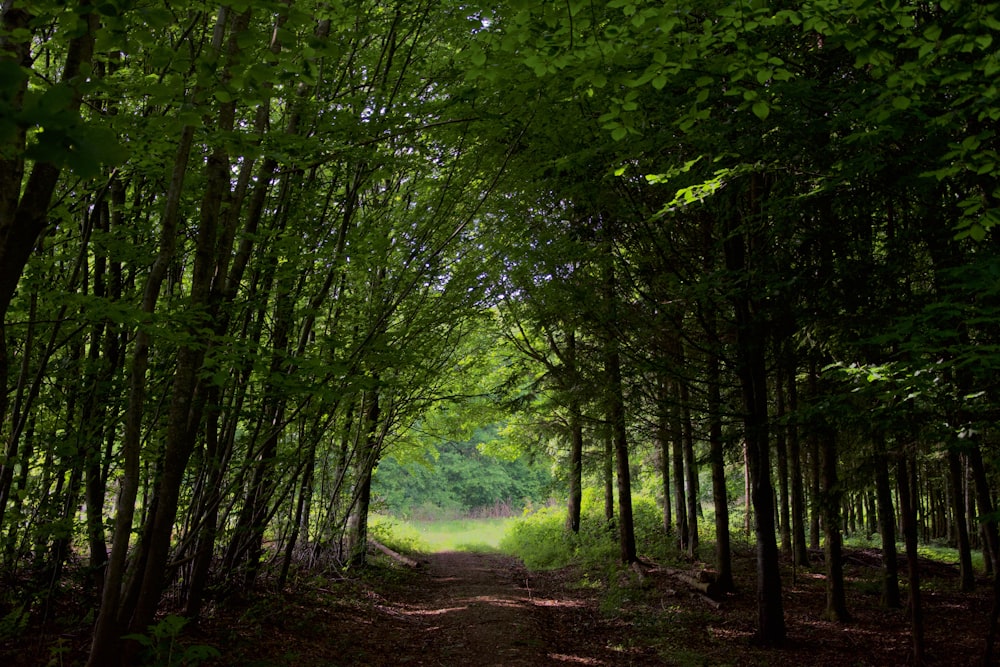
(460, 534)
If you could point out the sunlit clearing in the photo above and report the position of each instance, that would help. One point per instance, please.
(462, 534)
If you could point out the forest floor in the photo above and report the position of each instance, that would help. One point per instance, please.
(480, 609)
(485, 609)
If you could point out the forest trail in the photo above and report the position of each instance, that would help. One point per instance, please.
(482, 609)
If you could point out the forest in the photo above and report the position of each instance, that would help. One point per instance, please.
(251, 250)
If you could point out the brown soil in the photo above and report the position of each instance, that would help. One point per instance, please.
(460, 609)
(486, 609)
(455, 609)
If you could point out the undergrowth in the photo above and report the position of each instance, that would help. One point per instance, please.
(541, 540)
(397, 535)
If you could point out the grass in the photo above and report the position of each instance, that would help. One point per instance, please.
(481, 535)
(462, 534)
(935, 551)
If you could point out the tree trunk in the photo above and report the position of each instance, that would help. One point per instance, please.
(751, 369)
(24, 205)
(798, 514)
(109, 625)
(677, 452)
(575, 469)
(781, 450)
(663, 447)
(608, 475)
(690, 470)
(184, 418)
(616, 415)
(906, 479)
(616, 406)
(836, 603)
(367, 459)
(967, 580)
(720, 494)
(984, 498)
(575, 443)
(814, 495)
(887, 529)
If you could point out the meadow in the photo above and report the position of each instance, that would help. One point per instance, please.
(481, 535)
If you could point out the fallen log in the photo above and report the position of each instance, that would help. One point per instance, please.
(714, 604)
(395, 555)
(701, 581)
(706, 587)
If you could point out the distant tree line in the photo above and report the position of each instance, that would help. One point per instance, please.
(457, 479)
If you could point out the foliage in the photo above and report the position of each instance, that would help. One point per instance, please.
(460, 480)
(163, 648)
(541, 540)
(397, 535)
(253, 255)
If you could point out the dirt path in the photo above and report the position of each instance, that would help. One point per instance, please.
(483, 609)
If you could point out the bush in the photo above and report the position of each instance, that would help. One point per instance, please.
(648, 520)
(395, 535)
(540, 540)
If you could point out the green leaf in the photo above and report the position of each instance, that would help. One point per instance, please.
(761, 109)
(11, 77)
(901, 102)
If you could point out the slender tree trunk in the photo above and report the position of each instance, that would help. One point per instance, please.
(781, 450)
(677, 452)
(906, 479)
(720, 494)
(24, 205)
(300, 522)
(984, 498)
(609, 477)
(616, 415)
(751, 369)
(366, 461)
(663, 446)
(799, 546)
(109, 626)
(575, 468)
(836, 602)
(887, 529)
(575, 442)
(208, 513)
(967, 580)
(815, 493)
(184, 418)
(690, 471)
(747, 493)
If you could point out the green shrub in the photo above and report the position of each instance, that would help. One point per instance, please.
(395, 534)
(541, 540)
(648, 520)
(161, 647)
